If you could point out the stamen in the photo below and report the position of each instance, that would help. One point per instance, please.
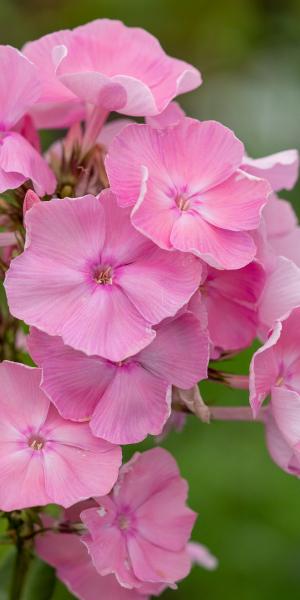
(36, 442)
(280, 380)
(103, 275)
(123, 522)
(182, 203)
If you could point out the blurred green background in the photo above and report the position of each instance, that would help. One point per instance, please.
(249, 53)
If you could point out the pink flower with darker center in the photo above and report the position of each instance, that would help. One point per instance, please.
(19, 160)
(43, 458)
(97, 282)
(129, 399)
(141, 531)
(74, 566)
(187, 190)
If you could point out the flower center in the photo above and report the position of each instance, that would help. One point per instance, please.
(182, 202)
(103, 275)
(123, 522)
(36, 442)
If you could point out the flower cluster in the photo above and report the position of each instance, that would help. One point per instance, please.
(140, 255)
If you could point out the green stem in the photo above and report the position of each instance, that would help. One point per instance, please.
(21, 567)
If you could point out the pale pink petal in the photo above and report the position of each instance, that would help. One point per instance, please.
(31, 198)
(66, 456)
(23, 405)
(134, 405)
(109, 554)
(155, 213)
(202, 556)
(20, 161)
(152, 563)
(235, 204)
(230, 324)
(19, 92)
(57, 106)
(123, 244)
(111, 325)
(74, 381)
(180, 352)
(288, 245)
(264, 370)
(22, 478)
(280, 451)
(168, 280)
(135, 147)
(150, 481)
(241, 285)
(164, 520)
(172, 114)
(110, 130)
(281, 293)
(218, 247)
(280, 169)
(279, 217)
(286, 412)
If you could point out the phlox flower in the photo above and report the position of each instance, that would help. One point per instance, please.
(43, 458)
(95, 280)
(140, 532)
(74, 566)
(187, 190)
(19, 160)
(129, 399)
(121, 68)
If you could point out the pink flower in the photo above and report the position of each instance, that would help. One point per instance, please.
(140, 532)
(43, 458)
(230, 298)
(95, 280)
(74, 566)
(19, 160)
(129, 399)
(282, 421)
(120, 68)
(280, 169)
(277, 362)
(187, 190)
(56, 106)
